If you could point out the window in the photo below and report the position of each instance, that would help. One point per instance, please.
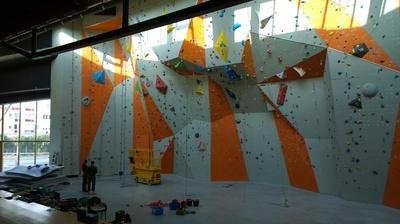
(25, 133)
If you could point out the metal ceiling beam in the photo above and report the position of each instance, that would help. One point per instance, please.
(183, 14)
(125, 13)
(98, 7)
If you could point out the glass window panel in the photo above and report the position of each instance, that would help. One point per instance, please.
(26, 153)
(1, 122)
(28, 121)
(10, 158)
(42, 153)
(11, 122)
(43, 120)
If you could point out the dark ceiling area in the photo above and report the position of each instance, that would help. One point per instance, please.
(16, 16)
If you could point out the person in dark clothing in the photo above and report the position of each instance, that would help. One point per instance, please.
(84, 176)
(92, 171)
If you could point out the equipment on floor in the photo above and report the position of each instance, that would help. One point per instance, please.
(174, 205)
(85, 217)
(149, 175)
(157, 211)
(145, 168)
(196, 202)
(121, 217)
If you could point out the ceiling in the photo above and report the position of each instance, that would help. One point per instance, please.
(16, 16)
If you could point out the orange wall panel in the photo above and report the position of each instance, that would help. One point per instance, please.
(247, 59)
(141, 124)
(99, 94)
(392, 192)
(227, 161)
(192, 49)
(121, 70)
(313, 66)
(167, 160)
(159, 125)
(294, 149)
(340, 31)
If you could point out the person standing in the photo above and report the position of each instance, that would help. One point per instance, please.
(84, 176)
(92, 171)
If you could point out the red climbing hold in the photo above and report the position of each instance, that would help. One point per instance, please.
(160, 85)
(282, 94)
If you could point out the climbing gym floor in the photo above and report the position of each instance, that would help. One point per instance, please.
(231, 202)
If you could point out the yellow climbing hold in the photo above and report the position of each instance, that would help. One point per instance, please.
(199, 89)
(170, 28)
(221, 46)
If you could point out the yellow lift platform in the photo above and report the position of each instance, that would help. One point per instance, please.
(145, 168)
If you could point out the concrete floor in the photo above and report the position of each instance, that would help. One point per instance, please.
(231, 202)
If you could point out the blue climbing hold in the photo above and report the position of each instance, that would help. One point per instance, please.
(221, 13)
(232, 75)
(231, 94)
(236, 26)
(99, 77)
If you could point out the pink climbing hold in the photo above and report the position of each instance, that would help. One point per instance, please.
(160, 85)
(269, 51)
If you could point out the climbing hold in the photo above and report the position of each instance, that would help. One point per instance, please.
(180, 64)
(264, 22)
(359, 50)
(201, 147)
(170, 28)
(199, 89)
(281, 75)
(282, 94)
(160, 85)
(148, 83)
(299, 71)
(236, 26)
(128, 45)
(221, 13)
(269, 51)
(369, 90)
(86, 101)
(232, 75)
(356, 103)
(137, 89)
(221, 46)
(99, 77)
(197, 135)
(230, 94)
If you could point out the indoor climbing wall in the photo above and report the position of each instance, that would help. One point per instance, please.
(298, 93)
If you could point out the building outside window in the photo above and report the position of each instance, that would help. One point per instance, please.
(25, 132)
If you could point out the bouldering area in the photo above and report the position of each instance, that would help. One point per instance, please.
(195, 111)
